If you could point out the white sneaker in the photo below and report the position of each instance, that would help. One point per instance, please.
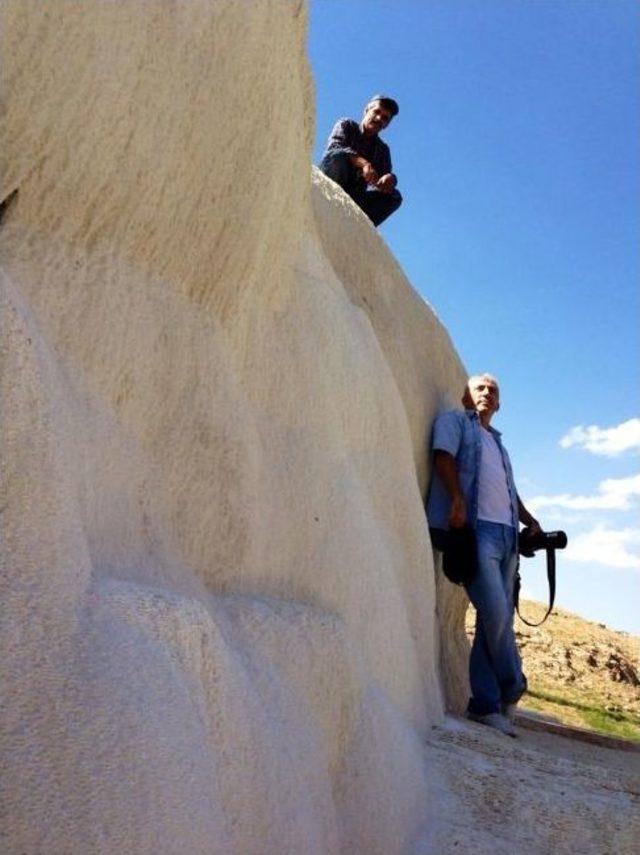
(495, 720)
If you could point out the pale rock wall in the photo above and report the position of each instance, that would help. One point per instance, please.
(220, 629)
(427, 374)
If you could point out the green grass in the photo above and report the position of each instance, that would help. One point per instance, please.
(620, 724)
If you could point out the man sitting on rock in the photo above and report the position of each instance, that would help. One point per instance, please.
(473, 492)
(358, 160)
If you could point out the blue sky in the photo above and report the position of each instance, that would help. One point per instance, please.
(517, 154)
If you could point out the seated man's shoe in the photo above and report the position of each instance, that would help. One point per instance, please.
(495, 720)
(509, 711)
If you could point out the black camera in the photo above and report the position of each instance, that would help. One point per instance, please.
(529, 543)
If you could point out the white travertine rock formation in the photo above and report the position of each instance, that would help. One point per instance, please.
(220, 626)
(220, 630)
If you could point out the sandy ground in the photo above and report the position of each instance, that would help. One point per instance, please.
(538, 793)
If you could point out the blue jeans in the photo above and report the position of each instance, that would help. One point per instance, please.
(376, 205)
(495, 670)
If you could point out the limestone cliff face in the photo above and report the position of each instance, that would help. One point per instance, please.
(221, 629)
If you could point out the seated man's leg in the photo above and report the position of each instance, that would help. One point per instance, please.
(337, 166)
(378, 206)
(494, 665)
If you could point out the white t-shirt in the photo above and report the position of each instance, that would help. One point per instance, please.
(494, 504)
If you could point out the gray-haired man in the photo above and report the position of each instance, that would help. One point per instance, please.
(473, 486)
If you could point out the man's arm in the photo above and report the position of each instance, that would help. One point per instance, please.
(368, 172)
(526, 518)
(342, 139)
(387, 181)
(447, 470)
(387, 184)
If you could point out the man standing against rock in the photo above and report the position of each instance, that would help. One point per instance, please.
(473, 491)
(358, 160)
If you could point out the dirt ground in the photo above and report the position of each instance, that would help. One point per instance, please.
(536, 794)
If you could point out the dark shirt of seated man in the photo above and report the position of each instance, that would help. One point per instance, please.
(360, 162)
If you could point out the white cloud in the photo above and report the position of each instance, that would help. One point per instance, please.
(606, 442)
(611, 547)
(614, 494)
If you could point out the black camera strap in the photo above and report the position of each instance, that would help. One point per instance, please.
(551, 578)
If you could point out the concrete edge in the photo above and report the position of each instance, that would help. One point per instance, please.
(534, 722)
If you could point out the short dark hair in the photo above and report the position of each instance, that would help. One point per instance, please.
(388, 103)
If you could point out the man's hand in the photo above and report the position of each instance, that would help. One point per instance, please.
(369, 174)
(534, 526)
(447, 470)
(458, 513)
(386, 184)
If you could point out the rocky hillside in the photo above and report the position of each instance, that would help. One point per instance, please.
(579, 672)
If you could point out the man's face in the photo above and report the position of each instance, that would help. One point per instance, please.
(375, 118)
(483, 395)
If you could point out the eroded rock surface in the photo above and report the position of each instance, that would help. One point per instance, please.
(220, 630)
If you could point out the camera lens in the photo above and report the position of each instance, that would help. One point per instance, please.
(556, 539)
